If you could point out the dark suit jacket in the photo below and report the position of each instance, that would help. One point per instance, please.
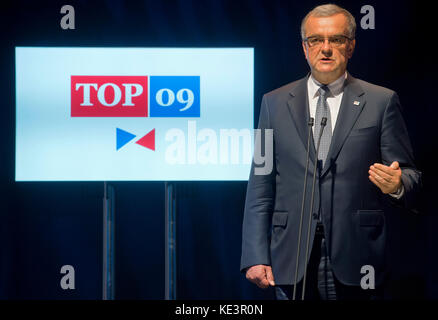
(369, 129)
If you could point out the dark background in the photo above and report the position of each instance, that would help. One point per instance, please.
(46, 225)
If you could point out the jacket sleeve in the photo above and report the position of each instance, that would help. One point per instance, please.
(396, 146)
(259, 206)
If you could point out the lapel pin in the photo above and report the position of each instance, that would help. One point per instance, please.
(356, 103)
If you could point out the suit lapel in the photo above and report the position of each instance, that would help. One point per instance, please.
(352, 104)
(299, 109)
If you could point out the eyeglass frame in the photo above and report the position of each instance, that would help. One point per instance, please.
(328, 38)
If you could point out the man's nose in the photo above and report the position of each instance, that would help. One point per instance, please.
(326, 47)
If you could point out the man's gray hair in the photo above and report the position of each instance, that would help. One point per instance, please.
(327, 10)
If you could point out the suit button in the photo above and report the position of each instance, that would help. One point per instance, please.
(315, 216)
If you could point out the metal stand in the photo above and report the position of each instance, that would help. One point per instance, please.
(170, 241)
(108, 259)
(108, 243)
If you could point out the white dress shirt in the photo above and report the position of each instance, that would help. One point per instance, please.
(334, 98)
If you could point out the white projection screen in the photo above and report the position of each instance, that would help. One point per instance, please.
(124, 114)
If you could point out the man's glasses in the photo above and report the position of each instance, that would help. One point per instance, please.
(334, 41)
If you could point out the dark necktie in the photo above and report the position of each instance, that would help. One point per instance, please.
(326, 283)
(322, 110)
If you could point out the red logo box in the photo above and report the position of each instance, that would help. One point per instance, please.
(109, 96)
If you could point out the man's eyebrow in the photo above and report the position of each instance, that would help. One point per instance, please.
(321, 36)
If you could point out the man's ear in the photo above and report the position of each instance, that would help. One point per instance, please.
(304, 49)
(351, 47)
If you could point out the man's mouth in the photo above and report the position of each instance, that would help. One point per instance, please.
(326, 59)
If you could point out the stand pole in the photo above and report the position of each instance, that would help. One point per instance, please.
(170, 241)
(108, 243)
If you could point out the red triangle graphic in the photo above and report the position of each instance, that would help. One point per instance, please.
(148, 141)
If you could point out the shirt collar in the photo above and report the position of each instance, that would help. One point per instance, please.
(335, 87)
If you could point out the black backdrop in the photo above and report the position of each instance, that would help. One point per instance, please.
(46, 225)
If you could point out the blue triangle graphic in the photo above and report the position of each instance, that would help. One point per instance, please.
(123, 137)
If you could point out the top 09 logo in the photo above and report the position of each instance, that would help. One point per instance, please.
(135, 96)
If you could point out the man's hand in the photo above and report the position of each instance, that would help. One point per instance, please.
(261, 275)
(388, 179)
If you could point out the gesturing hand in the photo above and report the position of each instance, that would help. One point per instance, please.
(261, 275)
(388, 179)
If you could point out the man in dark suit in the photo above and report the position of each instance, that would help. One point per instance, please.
(364, 166)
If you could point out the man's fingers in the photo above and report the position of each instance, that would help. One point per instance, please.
(382, 184)
(263, 283)
(258, 275)
(260, 279)
(380, 175)
(387, 178)
(377, 183)
(382, 168)
(270, 276)
(388, 170)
